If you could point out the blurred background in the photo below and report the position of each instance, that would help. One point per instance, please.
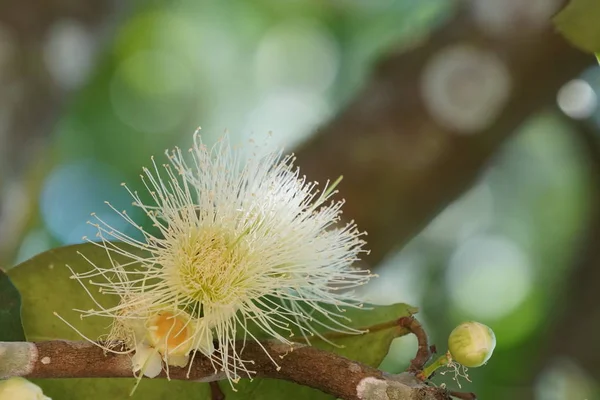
(467, 133)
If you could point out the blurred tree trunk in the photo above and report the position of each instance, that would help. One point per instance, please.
(421, 131)
(47, 50)
(575, 324)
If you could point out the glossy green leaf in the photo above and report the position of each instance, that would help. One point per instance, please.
(578, 22)
(45, 287)
(11, 329)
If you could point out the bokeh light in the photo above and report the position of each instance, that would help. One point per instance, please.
(577, 99)
(153, 91)
(564, 379)
(68, 53)
(72, 191)
(401, 280)
(35, 242)
(299, 54)
(291, 115)
(488, 276)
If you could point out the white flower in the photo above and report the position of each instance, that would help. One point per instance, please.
(20, 389)
(239, 243)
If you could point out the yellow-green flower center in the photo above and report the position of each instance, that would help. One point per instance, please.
(208, 267)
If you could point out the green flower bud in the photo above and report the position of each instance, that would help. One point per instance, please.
(471, 344)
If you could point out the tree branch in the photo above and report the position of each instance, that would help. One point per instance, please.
(304, 365)
(423, 351)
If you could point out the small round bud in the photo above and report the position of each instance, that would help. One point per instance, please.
(471, 344)
(21, 389)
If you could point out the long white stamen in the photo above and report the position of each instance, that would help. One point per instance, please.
(239, 244)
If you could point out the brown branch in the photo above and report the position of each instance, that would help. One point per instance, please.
(463, 395)
(398, 324)
(423, 350)
(304, 365)
(215, 391)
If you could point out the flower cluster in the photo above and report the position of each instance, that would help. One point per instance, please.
(238, 244)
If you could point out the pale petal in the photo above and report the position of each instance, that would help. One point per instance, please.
(148, 360)
(20, 389)
(178, 360)
(205, 342)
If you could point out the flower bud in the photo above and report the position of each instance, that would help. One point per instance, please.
(471, 344)
(20, 389)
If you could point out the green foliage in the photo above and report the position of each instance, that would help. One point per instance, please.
(11, 329)
(578, 22)
(45, 288)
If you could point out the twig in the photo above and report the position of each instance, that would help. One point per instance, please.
(215, 391)
(405, 325)
(423, 351)
(304, 365)
(463, 395)
(396, 323)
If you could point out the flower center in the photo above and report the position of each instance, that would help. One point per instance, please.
(208, 267)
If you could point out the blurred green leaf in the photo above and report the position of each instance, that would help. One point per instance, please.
(578, 22)
(11, 329)
(46, 287)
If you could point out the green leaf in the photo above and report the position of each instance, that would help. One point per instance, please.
(578, 22)
(45, 287)
(11, 329)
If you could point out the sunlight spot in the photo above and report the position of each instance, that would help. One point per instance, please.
(489, 276)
